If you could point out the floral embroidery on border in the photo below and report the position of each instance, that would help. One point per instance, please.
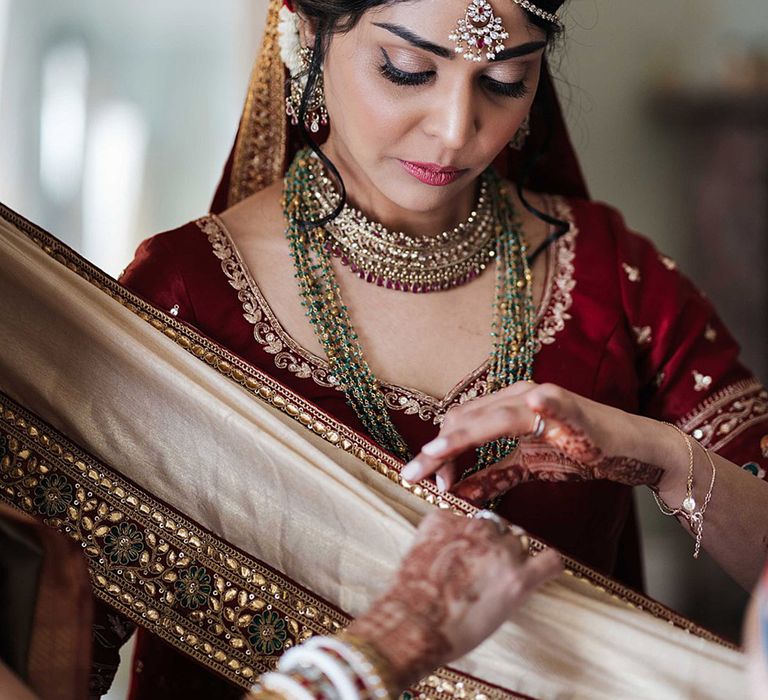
(755, 469)
(289, 355)
(721, 417)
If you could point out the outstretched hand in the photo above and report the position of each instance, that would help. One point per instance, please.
(563, 437)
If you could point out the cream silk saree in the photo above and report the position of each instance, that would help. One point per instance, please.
(213, 505)
(210, 501)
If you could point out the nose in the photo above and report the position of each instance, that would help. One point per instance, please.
(453, 116)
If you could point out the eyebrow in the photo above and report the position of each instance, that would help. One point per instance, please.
(421, 43)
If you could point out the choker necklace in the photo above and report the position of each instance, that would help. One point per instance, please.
(513, 318)
(402, 262)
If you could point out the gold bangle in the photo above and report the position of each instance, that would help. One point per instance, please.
(374, 670)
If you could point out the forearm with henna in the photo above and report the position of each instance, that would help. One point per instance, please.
(569, 454)
(407, 625)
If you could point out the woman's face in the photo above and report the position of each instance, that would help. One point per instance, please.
(399, 95)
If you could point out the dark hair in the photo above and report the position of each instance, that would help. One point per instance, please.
(329, 17)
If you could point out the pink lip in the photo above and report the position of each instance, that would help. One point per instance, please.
(432, 173)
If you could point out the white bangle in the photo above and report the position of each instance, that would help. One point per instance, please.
(283, 684)
(309, 654)
(361, 665)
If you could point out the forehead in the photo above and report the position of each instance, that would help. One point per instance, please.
(436, 19)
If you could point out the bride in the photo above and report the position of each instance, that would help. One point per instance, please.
(403, 238)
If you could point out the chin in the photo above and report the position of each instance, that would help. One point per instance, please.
(409, 193)
(417, 197)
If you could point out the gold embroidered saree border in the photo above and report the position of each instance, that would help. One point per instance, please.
(265, 389)
(227, 610)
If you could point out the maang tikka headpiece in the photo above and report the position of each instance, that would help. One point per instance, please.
(481, 31)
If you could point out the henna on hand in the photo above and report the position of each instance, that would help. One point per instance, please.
(565, 453)
(407, 625)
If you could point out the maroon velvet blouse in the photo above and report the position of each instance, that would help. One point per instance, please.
(618, 324)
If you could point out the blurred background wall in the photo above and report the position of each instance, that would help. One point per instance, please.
(116, 118)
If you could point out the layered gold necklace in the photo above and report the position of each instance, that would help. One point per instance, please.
(406, 263)
(306, 190)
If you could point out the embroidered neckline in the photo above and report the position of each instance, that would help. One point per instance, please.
(551, 316)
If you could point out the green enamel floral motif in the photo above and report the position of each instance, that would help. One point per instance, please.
(754, 468)
(124, 543)
(193, 587)
(267, 632)
(52, 495)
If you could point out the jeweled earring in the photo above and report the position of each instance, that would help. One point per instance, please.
(317, 114)
(522, 134)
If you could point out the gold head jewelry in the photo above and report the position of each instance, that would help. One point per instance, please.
(479, 32)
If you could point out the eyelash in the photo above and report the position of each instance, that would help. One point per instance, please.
(401, 77)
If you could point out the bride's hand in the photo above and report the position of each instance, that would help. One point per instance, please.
(563, 437)
(461, 579)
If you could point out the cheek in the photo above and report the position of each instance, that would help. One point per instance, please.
(361, 106)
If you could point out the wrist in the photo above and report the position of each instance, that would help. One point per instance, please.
(408, 643)
(671, 454)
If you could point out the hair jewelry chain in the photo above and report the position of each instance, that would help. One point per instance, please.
(512, 332)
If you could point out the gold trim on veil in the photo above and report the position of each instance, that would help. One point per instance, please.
(260, 149)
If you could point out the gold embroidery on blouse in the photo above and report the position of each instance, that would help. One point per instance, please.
(558, 297)
(643, 335)
(701, 382)
(668, 262)
(633, 273)
(257, 312)
(710, 333)
(289, 355)
(720, 418)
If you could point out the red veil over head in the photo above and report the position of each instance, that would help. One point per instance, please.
(266, 141)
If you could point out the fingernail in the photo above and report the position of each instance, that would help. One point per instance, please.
(436, 447)
(440, 483)
(411, 470)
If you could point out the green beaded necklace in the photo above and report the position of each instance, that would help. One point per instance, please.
(512, 328)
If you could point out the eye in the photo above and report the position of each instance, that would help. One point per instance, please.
(401, 77)
(518, 89)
